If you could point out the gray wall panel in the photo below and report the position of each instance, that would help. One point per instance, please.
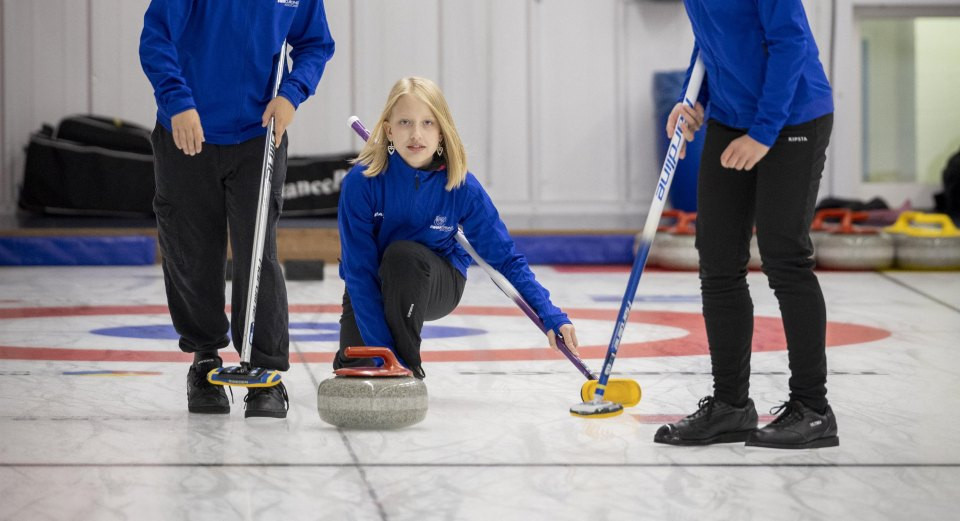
(46, 76)
(119, 87)
(508, 94)
(320, 126)
(658, 39)
(392, 40)
(578, 118)
(466, 75)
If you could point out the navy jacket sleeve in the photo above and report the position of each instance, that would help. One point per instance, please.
(163, 24)
(359, 259)
(312, 49)
(488, 235)
(783, 24)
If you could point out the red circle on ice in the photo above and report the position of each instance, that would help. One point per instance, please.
(768, 336)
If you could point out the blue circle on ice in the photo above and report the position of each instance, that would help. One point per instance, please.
(299, 332)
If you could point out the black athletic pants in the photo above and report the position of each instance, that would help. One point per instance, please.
(779, 195)
(197, 198)
(417, 286)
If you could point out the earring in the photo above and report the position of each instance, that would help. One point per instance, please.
(391, 149)
(439, 150)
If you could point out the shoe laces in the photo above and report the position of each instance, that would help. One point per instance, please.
(200, 380)
(255, 391)
(200, 375)
(705, 407)
(789, 413)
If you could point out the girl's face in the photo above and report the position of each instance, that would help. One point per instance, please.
(414, 131)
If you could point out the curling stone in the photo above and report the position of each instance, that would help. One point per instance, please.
(855, 248)
(676, 248)
(926, 241)
(386, 397)
(821, 227)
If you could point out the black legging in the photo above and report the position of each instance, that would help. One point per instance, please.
(417, 286)
(779, 195)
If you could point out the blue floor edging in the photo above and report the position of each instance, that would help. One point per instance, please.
(78, 251)
(576, 249)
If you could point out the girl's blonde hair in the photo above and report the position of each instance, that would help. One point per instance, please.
(374, 153)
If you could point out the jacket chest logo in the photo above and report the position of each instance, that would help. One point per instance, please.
(440, 224)
(289, 3)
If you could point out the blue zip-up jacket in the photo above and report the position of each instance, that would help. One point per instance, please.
(763, 68)
(403, 203)
(219, 57)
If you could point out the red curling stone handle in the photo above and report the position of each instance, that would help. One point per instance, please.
(391, 367)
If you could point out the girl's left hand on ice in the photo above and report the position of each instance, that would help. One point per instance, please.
(569, 334)
(743, 153)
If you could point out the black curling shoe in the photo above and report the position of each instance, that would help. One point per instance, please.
(202, 396)
(797, 427)
(714, 422)
(267, 402)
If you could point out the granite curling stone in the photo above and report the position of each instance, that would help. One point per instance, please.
(676, 248)
(855, 248)
(386, 397)
(926, 241)
(821, 227)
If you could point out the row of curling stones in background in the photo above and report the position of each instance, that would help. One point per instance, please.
(916, 241)
(386, 397)
(850, 247)
(839, 244)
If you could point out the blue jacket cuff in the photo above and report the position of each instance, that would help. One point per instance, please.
(292, 94)
(764, 135)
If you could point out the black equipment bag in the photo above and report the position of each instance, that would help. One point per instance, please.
(100, 166)
(313, 184)
(89, 166)
(948, 201)
(112, 134)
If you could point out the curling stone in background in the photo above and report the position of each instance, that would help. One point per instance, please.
(676, 248)
(821, 227)
(850, 247)
(926, 241)
(386, 397)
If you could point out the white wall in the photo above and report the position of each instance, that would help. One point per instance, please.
(887, 58)
(938, 107)
(846, 162)
(553, 97)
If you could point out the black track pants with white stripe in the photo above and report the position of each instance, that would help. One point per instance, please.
(417, 286)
